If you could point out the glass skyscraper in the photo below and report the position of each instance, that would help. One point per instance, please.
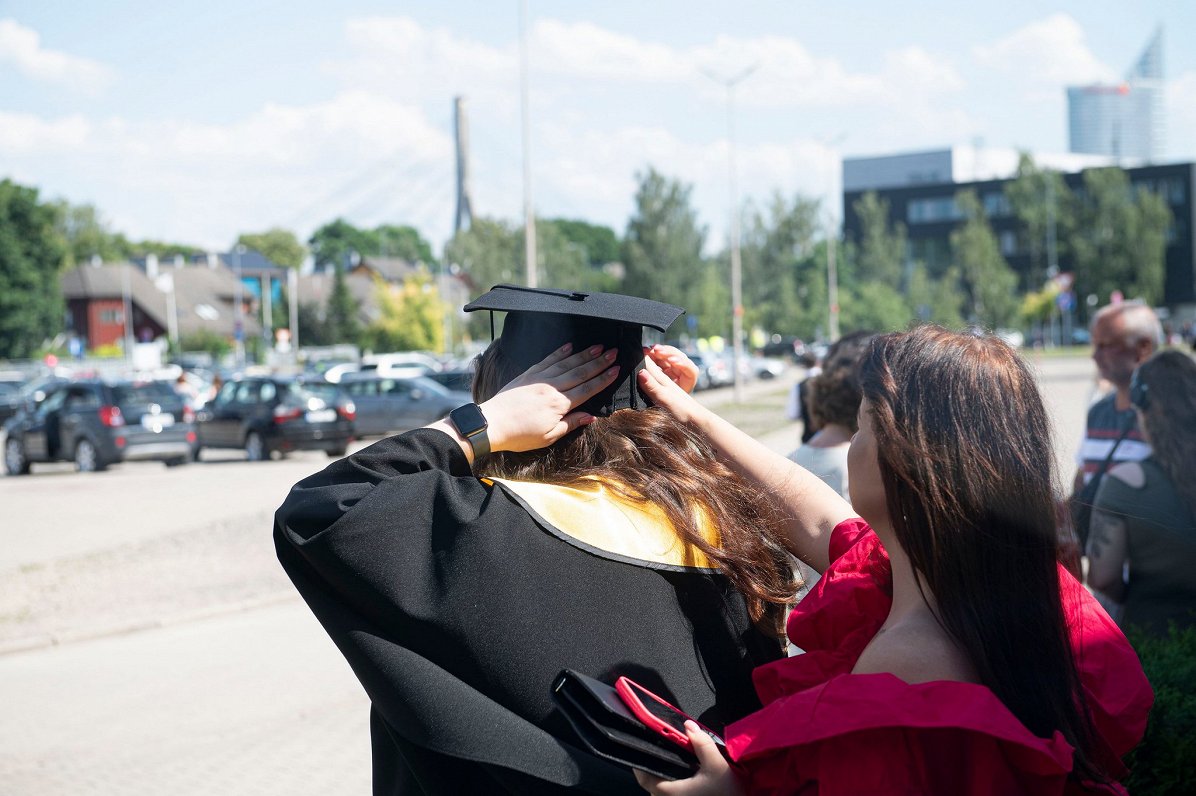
(1124, 121)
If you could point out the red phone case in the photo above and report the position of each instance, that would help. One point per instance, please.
(632, 694)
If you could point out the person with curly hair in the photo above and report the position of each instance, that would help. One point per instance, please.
(834, 401)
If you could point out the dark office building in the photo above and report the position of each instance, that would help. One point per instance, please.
(929, 212)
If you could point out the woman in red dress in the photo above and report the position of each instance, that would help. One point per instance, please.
(945, 650)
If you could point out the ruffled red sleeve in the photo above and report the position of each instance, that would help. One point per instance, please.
(875, 734)
(824, 730)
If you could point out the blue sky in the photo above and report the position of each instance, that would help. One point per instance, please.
(194, 122)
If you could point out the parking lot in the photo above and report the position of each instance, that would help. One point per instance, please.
(150, 643)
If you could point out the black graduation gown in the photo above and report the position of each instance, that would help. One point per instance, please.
(456, 606)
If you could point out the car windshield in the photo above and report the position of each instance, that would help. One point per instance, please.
(300, 391)
(149, 392)
(427, 384)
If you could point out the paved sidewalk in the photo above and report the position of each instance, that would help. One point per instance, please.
(253, 703)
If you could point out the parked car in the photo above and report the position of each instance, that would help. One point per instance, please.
(267, 414)
(400, 365)
(712, 371)
(386, 404)
(458, 379)
(768, 367)
(95, 424)
(11, 399)
(784, 346)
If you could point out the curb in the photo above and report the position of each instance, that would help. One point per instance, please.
(41, 641)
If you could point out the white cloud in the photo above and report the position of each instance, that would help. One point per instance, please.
(380, 147)
(397, 56)
(357, 154)
(22, 133)
(585, 50)
(21, 47)
(1052, 50)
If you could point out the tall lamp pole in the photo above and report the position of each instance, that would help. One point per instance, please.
(239, 330)
(832, 272)
(736, 264)
(529, 215)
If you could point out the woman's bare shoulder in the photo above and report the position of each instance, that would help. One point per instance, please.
(1129, 473)
(916, 653)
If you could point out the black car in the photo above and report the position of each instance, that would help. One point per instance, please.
(11, 399)
(267, 414)
(95, 424)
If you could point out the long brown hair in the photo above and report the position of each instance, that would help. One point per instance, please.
(1170, 418)
(965, 453)
(649, 456)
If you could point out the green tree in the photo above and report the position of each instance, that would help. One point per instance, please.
(880, 254)
(313, 325)
(340, 317)
(784, 284)
(32, 254)
(336, 242)
(989, 284)
(489, 252)
(391, 240)
(277, 245)
(599, 244)
(1120, 237)
(412, 317)
(160, 249)
(563, 263)
(662, 253)
(206, 340)
(936, 300)
(1039, 197)
(86, 235)
(872, 306)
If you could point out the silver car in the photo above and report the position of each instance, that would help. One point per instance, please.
(388, 404)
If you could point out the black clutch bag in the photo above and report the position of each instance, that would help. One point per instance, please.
(609, 730)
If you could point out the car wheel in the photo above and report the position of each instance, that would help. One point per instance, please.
(176, 462)
(255, 447)
(14, 458)
(87, 458)
(336, 453)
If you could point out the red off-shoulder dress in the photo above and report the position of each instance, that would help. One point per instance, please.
(825, 731)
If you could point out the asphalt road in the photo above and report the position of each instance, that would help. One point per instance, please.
(149, 643)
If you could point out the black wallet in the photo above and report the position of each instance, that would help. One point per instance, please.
(609, 730)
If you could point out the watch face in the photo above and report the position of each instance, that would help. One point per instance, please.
(468, 419)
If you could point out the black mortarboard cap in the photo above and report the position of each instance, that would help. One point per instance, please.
(541, 320)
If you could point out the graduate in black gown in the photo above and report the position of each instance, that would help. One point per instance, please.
(461, 566)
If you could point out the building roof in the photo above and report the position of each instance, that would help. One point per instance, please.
(962, 163)
(316, 288)
(107, 282)
(391, 269)
(205, 298)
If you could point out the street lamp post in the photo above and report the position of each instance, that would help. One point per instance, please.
(832, 272)
(126, 290)
(832, 284)
(736, 265)
(239, 329)
(529, 213)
